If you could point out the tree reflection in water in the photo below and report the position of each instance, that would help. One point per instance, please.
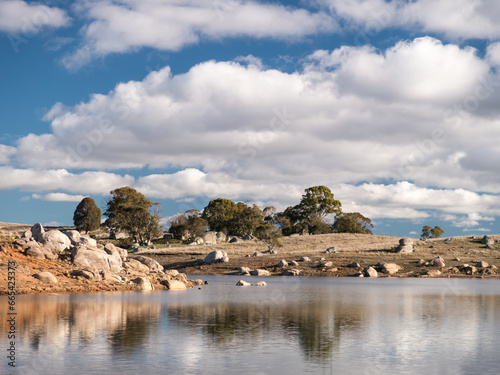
(316, 328)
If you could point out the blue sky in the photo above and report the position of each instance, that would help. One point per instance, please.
(391, 104)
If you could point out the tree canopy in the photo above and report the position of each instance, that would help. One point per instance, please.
(87, 215)
(224, 215)
(188, 225)
(219, 213)
(429, 232)
(352, 222)
(130, 211)
(436, 232)
(309, 215)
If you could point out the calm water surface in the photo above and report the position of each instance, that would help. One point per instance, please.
(295, 325)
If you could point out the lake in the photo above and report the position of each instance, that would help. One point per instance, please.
(295, 325)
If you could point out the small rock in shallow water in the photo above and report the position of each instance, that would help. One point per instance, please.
(243, 283)
(292, 272)
(371, 272)
(260, 283)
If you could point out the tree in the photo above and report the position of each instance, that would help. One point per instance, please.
(352, 222)
(130, 211)
(426, 232)
(245, 219)
(317, 225)
(429, 232)
(309, 215)
(87, 215)
(318, 201)
(219, 214)
(436, 232)
(269, 234)
(188, 225)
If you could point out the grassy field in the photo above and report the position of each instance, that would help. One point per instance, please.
(367, 250)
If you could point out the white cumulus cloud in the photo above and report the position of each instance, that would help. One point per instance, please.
(39, 180)
(173, 24)
(420, 110)
(58, 197)
(17, 16)
(456, 19)
(6, 152)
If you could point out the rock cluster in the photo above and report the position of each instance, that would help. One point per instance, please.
(93, 261)
(213, 238)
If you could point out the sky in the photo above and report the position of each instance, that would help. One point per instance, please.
(391, 104)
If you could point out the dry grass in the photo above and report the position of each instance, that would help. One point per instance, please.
(367, 250)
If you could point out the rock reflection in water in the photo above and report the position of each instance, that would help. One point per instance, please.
(64, 320)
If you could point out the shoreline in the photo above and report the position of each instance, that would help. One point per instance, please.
(460, 252)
